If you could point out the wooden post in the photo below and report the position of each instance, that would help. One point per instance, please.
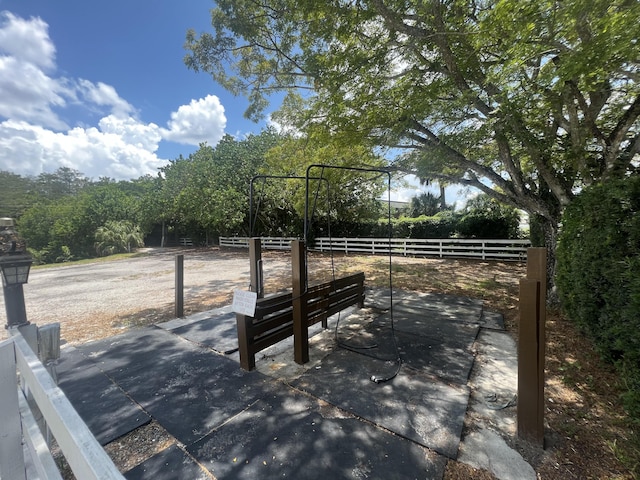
(300, 323)
(531, 348)
(537, 270)
(247, 359)
(179, 286)
(255, 266)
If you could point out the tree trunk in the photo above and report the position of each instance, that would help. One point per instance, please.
(547, 236)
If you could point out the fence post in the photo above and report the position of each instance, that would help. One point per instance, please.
(179, 310)
(247, 359)
(531, 348)
(11, 455)
(300, 323)
(255, 266)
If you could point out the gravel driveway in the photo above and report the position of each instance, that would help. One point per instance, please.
(99, 299)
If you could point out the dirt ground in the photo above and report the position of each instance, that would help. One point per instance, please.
(587, 434)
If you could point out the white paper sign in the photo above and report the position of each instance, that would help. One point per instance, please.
(244, 302)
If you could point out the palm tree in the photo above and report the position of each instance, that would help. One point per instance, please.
(118, 236)
(424, 204)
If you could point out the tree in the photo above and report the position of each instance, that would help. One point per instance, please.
(209, 190)
(485, 217)
(57, 230)
(117, 237)
(526, 100)
(62, 224)
(424, 204)
(344, 195)
(64, 181)
(15, 194)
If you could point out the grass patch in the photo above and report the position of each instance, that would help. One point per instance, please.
(89, 261)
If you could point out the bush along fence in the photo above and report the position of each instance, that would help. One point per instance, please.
(506, 250)
(597, 276)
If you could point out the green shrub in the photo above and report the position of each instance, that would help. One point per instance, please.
(597, 275)
(485, 217)
(440, 225)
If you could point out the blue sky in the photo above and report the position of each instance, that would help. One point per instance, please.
(101, 87)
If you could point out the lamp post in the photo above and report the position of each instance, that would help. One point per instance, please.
(15, 264)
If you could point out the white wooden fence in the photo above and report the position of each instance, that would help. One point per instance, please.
(508, 250)
(271, 243)
(24, 452)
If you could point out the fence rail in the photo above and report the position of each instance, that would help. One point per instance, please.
(271, 243)
(86, 457)
(507, 250)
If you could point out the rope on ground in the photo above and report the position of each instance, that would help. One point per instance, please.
(492, 398)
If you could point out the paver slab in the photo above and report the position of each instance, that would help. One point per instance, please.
(218, 332)
(433, 346)
(106, 410)
(412, 404)
(189, 389)
(170, 464)
(290, 435)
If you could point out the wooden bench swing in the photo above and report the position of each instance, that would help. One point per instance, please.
(280, 316)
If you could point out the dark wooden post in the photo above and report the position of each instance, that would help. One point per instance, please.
(179, 286)
(255, 266)
(531, 347)
(247, 359)
(300, 323)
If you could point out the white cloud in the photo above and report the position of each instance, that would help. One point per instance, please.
(285, 129)
(104, 95)
(28, 149)
(34, 138)
(132, 132)
(27, 39)
(28, 94)
(407, 188)
(202, 120)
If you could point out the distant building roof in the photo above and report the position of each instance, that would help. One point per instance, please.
(398, 205)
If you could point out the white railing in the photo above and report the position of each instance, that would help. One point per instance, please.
(270, 243)
(429, 247)
(83, 452)
(508, 250)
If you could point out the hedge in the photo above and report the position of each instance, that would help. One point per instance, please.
(445, 224)
(598, 277)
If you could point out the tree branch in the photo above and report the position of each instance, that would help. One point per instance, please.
(619, 133)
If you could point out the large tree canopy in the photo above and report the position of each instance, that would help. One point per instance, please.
(210, 188)
(526, 100)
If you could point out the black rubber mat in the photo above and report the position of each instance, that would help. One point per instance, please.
(413, 405)
(218, 332)
(187, 388)
(433, 346)
(106, 410)
(290, 435)
(122, 355)
(443, 309)
(170, 464)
